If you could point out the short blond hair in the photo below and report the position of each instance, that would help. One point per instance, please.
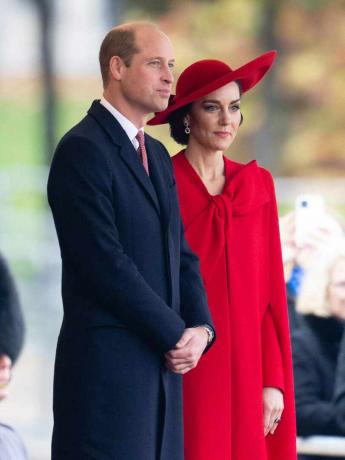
(313, 298)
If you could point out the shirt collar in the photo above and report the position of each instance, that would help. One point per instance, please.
(130, 129)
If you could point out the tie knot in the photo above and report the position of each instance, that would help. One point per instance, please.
(140, 137)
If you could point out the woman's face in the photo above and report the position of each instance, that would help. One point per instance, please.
(336, 293)
(215, 118)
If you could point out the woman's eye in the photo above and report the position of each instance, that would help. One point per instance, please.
(210, 108)
(234, 108)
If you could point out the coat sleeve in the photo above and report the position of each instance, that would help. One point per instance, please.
(275, 328)
(272, 366)
(80, 196)
(315, 415)
(286, 432)
(194, 306)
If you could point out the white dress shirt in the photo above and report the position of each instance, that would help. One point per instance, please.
(127, 125)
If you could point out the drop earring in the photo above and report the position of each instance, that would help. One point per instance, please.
(187, 128)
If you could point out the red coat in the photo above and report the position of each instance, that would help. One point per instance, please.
(236, 236)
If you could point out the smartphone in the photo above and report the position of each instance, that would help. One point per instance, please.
(309, 213)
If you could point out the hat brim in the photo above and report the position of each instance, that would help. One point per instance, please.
(248, 75)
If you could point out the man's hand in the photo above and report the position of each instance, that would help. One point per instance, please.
(5, 375)
(187, 351)
(273, 406)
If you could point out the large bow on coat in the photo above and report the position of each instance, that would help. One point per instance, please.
(208, 231)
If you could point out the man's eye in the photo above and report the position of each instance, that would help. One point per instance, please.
(155, 63)
(171, 65)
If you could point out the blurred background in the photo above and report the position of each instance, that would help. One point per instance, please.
(293, 124)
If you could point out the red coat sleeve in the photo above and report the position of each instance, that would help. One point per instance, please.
(277, 306)
(272, 365)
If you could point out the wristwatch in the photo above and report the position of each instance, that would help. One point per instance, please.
(209, 331)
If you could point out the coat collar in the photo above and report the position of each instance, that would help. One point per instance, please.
(127, 152)
(243, 192)
(245, 187)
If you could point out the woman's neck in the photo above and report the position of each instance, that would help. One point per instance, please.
(209, 165)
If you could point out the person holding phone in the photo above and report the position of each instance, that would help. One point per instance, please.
(319, 345)
(304, 231)
(238, 403)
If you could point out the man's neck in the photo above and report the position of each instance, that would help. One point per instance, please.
(125, 109)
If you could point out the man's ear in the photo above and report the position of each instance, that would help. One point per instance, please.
(116, 66)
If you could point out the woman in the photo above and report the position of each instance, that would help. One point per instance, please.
(234, 399)
(319, 345)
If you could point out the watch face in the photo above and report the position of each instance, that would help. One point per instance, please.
(210, 333)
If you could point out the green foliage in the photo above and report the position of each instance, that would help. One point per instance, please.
(312, 4)
(20, 131)
(307, 80)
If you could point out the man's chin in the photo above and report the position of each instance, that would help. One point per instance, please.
(160, 106)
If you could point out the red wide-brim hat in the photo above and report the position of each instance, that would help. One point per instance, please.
(205, 76)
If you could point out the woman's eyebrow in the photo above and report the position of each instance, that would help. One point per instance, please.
(215, 101)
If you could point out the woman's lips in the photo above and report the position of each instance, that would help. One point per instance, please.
(222, 134)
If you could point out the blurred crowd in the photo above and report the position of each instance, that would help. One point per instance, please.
(313, 245)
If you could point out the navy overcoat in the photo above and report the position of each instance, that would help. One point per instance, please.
(130, 285)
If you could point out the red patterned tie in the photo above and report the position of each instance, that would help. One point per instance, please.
(142, 150)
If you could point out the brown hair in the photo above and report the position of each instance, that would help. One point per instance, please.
(176, 121)
(118, 42)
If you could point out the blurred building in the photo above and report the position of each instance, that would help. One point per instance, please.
(78, 28)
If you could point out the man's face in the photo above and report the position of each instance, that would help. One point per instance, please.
(146, 83)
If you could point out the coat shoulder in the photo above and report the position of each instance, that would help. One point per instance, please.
(82, 145)
(87, 131)
(268, 181)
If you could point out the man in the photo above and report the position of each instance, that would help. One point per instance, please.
(12, 333)
(135, 312)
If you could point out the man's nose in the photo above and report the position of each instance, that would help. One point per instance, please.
(167, 75)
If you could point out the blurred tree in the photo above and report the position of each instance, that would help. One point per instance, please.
(150, 7)
(45, 11)
(293, 120)
(114, 11)
(266, 142)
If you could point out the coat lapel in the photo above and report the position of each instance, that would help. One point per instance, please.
(127, 152)
(159, 180)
